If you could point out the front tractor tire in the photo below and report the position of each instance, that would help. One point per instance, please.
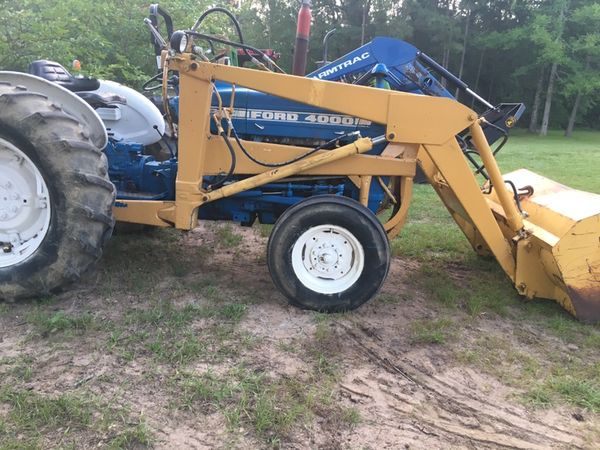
(55, 196)
(328, 253)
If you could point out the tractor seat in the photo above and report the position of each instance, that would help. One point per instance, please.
(54, 72)
(102, 99)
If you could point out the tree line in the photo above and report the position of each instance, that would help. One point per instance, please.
(545, 53)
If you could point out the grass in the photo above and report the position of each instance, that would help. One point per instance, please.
(165, 331)
(228, 237)
(567, 389)
(136, 263)
(177, 316)
(430, 233)
(47, 323)
(571, 161)
(17, 367)
(436, 331)
(546, 375)
(265, 229)
(272, 406)
(35, 420)
(500, 356)
(35, 411)
(269, 406)
(474, 289)
(247, 398)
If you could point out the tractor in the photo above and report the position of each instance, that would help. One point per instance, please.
(318, 156)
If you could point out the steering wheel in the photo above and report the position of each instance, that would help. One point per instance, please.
(147, 86)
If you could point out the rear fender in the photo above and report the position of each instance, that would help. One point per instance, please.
(70, 103)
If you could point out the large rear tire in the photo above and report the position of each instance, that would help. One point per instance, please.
(55, 196)
(328, 254)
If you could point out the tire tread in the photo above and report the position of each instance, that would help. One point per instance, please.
(31, 118)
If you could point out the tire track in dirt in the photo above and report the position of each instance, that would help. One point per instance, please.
(447, 409)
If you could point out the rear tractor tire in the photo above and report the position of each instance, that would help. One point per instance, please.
(55, 196)
(328, 253)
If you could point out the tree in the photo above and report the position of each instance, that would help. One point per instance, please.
(584, 61)
(537, 100)
(551, 34)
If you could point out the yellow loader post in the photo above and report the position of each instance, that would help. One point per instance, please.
(549, 248)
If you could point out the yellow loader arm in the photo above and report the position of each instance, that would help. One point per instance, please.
(552, 253)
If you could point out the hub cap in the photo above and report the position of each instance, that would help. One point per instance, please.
(24, 206)
(328, 259)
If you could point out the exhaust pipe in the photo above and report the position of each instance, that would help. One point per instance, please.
(326, 49)
(302, 36)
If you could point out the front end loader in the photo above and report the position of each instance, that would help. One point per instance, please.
(228, 159)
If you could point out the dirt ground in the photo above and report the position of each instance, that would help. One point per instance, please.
(358, 380)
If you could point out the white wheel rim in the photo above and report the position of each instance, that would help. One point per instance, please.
(328, 259)
(24, 206)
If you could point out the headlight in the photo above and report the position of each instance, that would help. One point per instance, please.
(179, 41)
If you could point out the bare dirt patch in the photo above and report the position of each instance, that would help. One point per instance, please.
(200, 351)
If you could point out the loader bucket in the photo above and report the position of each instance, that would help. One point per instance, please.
(560, 260)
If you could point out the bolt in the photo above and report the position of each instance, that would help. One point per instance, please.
(15, 196)
(7, 248)
(391, 136)
(472, 117)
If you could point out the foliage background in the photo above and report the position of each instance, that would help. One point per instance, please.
(507, 50)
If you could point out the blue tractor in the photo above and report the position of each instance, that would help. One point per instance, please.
(138, 139)
(386, 63)
(143, 160)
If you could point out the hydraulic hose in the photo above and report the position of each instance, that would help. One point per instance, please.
(284, 163)
(245, 47)
(228, 13)
(227, 176)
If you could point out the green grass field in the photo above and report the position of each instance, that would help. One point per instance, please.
(572, 161)
(430, 231)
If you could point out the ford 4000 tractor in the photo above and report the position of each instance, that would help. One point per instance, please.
(318, 155)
